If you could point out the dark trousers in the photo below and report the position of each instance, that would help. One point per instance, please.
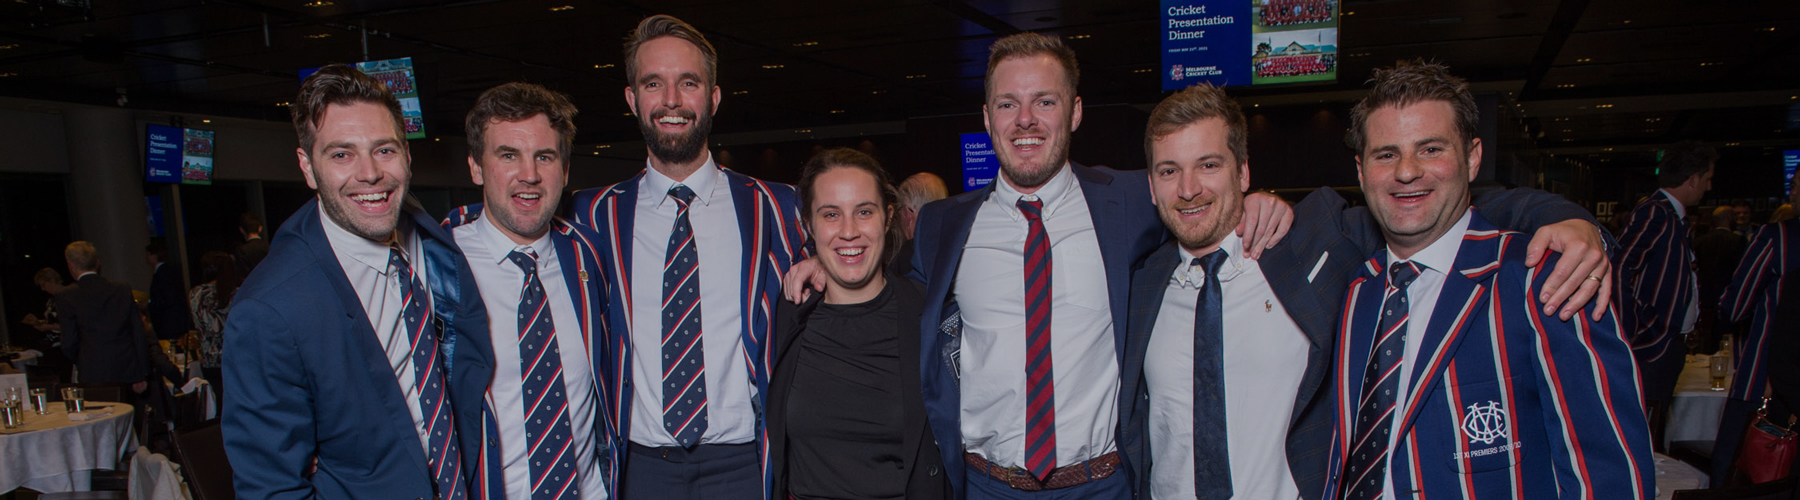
(1731, 433)
(706, 472)
(1660, 375)
(1116, 486)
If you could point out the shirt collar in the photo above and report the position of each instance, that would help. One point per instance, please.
(1440, 256)
(84, 275)
(370, 253)
(1680, 211)
(1193, 276)
(704, 182)
(1053, 193)
(501, 247)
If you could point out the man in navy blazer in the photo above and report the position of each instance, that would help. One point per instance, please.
(539, 278)
(1451, 377)
(339, 344)
(1659, 296)
(693, 255)
(1279, 314)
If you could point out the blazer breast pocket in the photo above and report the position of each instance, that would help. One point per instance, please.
(1481, 434)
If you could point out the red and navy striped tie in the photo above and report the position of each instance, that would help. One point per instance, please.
(1375, 416)
(444, 457)
(683, 360)
(1040, 376)
(553, 473)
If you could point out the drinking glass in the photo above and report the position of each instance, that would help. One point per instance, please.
(1720, 367)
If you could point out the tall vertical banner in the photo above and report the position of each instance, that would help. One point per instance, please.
(979, 164)
(1248, 42)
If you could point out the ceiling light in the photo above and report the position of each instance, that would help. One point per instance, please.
(437, 139)
(1603, 106)
(1256, 105)
(603, 146)
(627, 113)
(1733, 143)
(1606, 149)
(806, 44)
(9, 46)
(562, 8)
(803, 131)
(877, 92)
(317, 36)
(1567, 130)
(915, 77)
(603, 66)
(284, 104)
(773, 66)
(837, 111)
(1653, 120)
(205, 120)
(8, 74)
(1585, 59)
(1144, 70)
(1771, 28)
(1350, 13)
(1563, 119)
(1080, 37)
(318, 3)
(1565, 86)
(739, 92)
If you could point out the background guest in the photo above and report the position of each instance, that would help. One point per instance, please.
(209, 303)
(168, 294)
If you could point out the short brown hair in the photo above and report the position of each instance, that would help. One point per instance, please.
(339, 84)
(829, 159)
(1030, 44)
(662, 25)
(517, 101)
(1192, 105)
(1683, 160)
(82, 256)
(1410, 82)
(47, 275)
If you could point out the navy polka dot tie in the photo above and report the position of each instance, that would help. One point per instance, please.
(683, 354)
(444, 456)
(1381, 379)
(553, 473)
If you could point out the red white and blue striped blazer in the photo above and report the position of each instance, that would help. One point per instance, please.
(1655, 276)
(575, 250)
(1756, 287)
(1505, 401)
(768, 216)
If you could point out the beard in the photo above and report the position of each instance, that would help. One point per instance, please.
(1208, 232)
(505, 216)
(341, 210)
(678, 148)
(1025, 176)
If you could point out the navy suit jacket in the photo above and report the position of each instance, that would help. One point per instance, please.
(1309, 271)
(768, 217)
(575, 252)
(1127, 228)
(1504, 401)
(309, 378)
(102, 331)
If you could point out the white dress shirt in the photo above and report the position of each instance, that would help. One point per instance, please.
(501, 282)
(382, 295)
(990, 288)
(1265, 358)
(1439, 258)
(1692, 315)
(729, 417)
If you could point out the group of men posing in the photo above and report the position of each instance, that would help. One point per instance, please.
(1198, 343)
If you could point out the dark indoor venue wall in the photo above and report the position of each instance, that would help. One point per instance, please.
(34, 226)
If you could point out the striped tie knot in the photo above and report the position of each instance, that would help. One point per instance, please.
(1404, 275)
(682, 195)
(1032, 209)
(397, 262)
(1211, 263)
(526, 258)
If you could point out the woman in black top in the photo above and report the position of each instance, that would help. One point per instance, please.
(845, 416)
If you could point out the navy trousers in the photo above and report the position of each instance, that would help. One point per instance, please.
(706, 472)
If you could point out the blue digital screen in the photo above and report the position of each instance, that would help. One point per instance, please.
(1248, 42)
(162, 153)
(979, 164)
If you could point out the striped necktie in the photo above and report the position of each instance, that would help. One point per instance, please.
(445, 457)
(683, 352)
(553, 472)
(1040, 376)
(1375, 416)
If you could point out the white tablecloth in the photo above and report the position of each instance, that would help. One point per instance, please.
(52, 454)
(1673, 475)
(26, 358)
(1695, 410)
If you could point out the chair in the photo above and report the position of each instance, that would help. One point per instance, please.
(201, 450)
(1773, 490)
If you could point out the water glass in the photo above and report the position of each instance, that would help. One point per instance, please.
(72, 399)
(1719, 368)
(40, 400)
(10, 415)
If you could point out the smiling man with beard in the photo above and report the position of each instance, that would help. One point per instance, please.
(533, 272)
(337, 346)
(693, 255)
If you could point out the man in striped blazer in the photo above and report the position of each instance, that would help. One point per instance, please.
(1658, 292)
(1754, 292)
(539, 433)
(688, 247)
(1451, 380)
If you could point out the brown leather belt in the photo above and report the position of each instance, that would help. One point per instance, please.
(1062, 477)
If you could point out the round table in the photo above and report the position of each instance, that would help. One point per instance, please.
(51, 453)
(1674, 475)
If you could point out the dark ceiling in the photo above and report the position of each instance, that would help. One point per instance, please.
(1592, 76)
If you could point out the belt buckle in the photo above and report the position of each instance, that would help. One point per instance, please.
(1020, 479)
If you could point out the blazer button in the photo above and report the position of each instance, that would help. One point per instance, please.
(931, 471)
(665, 453)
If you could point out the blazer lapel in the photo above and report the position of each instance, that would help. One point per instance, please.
(748, 202)
(1458, 306)
(573, 257)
